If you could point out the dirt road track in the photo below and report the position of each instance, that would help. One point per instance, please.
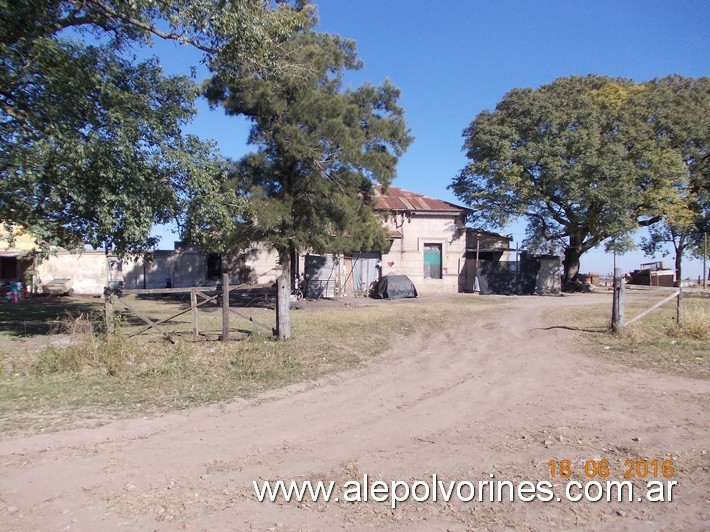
(501, 396)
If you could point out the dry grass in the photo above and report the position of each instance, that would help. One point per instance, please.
(655, 342)
(92, 378)
(695, 322)
(73, 324)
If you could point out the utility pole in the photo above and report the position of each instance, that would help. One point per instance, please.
(517, 257)
(617, 307)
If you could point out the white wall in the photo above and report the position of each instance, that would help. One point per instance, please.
(259, 262)
(88, 270)
(406, 256)
(185, 268)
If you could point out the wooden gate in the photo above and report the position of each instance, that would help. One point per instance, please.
(207, 295)
(617, 313)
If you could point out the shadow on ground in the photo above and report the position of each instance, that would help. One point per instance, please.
(569, 328)
(39, 315)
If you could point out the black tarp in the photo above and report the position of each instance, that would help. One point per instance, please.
(394, 287)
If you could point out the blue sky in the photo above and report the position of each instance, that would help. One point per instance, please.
(453, 59)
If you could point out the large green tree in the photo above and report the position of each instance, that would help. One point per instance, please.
(679, 112)
(320, 148)
(576, 158)
(91, 142)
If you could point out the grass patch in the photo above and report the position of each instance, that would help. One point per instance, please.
(94, 379)
(654, 342)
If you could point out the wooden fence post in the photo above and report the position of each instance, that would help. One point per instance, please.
(225, 307)
(283, 302)
(679, 306)
(193, 306)
(108, 312)
(617, 310)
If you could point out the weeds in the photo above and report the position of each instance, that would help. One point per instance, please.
(86, 350)
(73, 324)
(695, 322)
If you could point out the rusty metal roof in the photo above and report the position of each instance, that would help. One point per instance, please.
(397, 199)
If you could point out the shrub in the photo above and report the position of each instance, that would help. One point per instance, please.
(695, 323)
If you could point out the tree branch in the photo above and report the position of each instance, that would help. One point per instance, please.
(544, 227)
(549, 198)
(150, 28)
(13, 112)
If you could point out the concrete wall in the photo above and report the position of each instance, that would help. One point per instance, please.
(183, 268)
(549, 279)
(189, 267)
(406, 255)
(89, 271)
(92, 270)
(256, 265)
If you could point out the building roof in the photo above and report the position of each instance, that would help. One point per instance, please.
(397, 199)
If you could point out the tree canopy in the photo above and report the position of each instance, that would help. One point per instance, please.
(577, 158)
(320, 148)
(91, 142)
(680, 117)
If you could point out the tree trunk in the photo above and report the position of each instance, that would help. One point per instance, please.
(678, 263)
(570, 267)
(283, 297)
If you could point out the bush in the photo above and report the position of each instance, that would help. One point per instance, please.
(695, 323)
(86, 349)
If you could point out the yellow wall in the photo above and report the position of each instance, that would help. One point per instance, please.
(18, 239)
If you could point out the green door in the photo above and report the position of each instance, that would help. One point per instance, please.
(432, 261)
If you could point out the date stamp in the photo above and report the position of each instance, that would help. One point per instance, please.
(602, 480)
(631, 469)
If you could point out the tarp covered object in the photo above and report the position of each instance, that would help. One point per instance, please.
(394, 287)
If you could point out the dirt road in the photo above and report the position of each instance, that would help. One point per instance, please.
(502, 397)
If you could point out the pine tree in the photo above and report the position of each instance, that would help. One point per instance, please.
(320, 148)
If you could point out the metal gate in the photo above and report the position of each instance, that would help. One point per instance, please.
(320, 273)
(364, 272)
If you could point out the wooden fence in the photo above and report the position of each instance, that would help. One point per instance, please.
(112, 298)
(618, 321)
